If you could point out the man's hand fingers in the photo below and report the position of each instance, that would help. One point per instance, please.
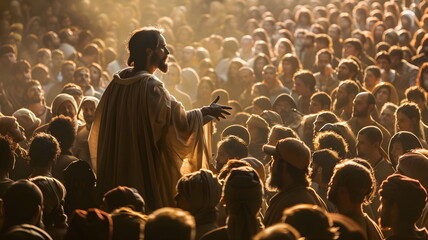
(215, 100)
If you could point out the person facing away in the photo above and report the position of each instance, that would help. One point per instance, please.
(141, 136)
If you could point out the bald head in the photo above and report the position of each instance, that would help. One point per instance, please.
(364, 104)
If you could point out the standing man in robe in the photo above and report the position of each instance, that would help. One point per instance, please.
(141, 136)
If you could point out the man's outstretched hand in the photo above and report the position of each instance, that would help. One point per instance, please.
(216, 110)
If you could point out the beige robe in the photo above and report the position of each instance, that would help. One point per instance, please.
(142, 137)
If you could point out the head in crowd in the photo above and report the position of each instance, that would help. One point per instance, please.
(7, 55)
(75, 91)
(33, 93)
(53, 200)
(284, 105)
(347, 69)
(238, 131)
(127, 224)
(89, 224)
(369, 142)
(88, 106)
(7, 157)
(271, 117)
(372, 76)
(331, 140)
(242, 195)
(417, 95)
(43, 152)
(231, 147)
(64, 130)
(258, 129)
(199, 193)
(323, 163)
(304, 83)
(320, 101)
(291, 158)
(408, 118)
(387, 116)
(123, 196)
(385, 92)
(413, 164)
(260, 104)
(22, 204)
(169, 224)
(324, 118)
(279, 231)
(64, 104)
(402, 202)
(21, 71)
(346, 93)
(299, 216)
(364, 104)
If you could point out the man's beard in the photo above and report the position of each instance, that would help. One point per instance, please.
(342, 77)
(359, 114)
(35, 99)
(161, 63)
(340, 103)
(274, 180)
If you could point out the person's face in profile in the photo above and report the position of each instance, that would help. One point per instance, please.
(160, 55)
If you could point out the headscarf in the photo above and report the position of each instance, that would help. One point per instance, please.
(201, 190)
(59, 100)
(27, 119)
(243, 194)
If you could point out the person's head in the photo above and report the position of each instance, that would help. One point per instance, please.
(279, 231)
(88, 106)
(320, 101)
(22, 204)
(95, 73)
(417, 95)
(67, 70)
(168, 224)
(364, 104)
(258, 128)
(401, 143)
(40, 73)
(64, 104)
(44, 150)
(323, 58)
(64, 130)
(231, 147)
(396, 55)
(304, 82)
(28, 120)
(408, 118)
(148, 46)
(323, 118)
(369, 140)
(81, 77)
(352, 184)
(269, 73)
(385, 92)
(331, 140)
(44, 56)
(387, 115)
(238, 131)
(10, 127)
(89, 224)
(383, 60)
(323, 163)
(323, 41)
(422, 78)
(7, 55)
(290, 64)
(243, 196)
(123, 196)
(199, 193)
(74, 90)
(402, 201)
(352, 47)
(246, 76)
(7, 157)
(53, 199)
(283, 105)
(21, 71)
(291, 158)
(173, 76)
(347, 69)
(279, 132)
(127, 224)
(346, 93)
(371, 77)
(300, 215)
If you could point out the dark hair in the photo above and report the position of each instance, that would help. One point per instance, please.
(127, 224)
(307, 78)
(352, 65)
(327, 159)
(21, 66)
(238, 131)
(22, 203)
(373, 133)
(357, 179)
(355, 42)
(396, 51)
(7, 157)
(123, 196)
(323, 98)
(44, 150)
(234, 147)
(375, 70)
(411, 110)
(168, 224)
(262, 102)
(408, 142)
(333, 141)
(324, 38)
(64, 130)
(141, 39)
(415, 92)
(350, 86)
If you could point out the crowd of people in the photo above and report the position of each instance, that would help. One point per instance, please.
(229, 119)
